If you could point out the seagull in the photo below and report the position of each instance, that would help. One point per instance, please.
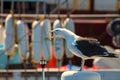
(83, 47)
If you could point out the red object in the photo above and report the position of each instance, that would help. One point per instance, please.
(94, 67)
(85, 67)
(62, 68)
(51, 63)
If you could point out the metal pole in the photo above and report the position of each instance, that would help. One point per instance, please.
(43, 63)
(43, 74)
(58, 65)
(7, 68)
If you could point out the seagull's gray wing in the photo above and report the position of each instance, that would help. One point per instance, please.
(90, 48)
(72, 47)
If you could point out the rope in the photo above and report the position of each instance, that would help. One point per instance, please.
(74, 7)
(54, 10)
(19, 9)
(1, 11)
(23, 6)
(67, 7)
(37, 8)
(58, 11)
(12, 5)
(44, 8)
(1, 23)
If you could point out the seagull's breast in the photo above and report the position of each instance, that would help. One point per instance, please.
(72, 47)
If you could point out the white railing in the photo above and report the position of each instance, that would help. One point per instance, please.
(30, 17)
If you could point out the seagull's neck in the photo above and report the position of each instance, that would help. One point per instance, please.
(71, 37)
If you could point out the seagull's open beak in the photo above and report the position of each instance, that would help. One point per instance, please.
(52, 32)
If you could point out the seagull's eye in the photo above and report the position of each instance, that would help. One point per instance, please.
(57, 30)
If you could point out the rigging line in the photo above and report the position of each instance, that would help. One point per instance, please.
(74, 7)
(19, 9)
(1, 11)
(1, 23)
(58, 11)
(44, 8)
(54, 10)
(12, 5)
(67, 7)
(23, 6)
(37, 8)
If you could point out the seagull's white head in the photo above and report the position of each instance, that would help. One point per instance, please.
(63, 32)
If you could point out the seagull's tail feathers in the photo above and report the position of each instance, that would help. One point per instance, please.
(112, 55)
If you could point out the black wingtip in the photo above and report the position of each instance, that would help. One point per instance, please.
(112, 55)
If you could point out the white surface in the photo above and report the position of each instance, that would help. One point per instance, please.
(107, 63)
(80, 75)
(106, 74)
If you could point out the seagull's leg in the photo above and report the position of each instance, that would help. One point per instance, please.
(82, 64)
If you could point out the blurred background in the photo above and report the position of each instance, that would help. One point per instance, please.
(25, 40)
